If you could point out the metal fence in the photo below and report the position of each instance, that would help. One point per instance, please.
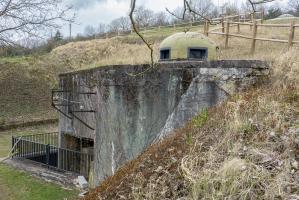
(41, 148)
(44, 138)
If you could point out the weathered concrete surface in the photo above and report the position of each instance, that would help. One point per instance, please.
(134, 111)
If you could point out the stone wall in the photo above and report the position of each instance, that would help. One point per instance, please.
(135, 106)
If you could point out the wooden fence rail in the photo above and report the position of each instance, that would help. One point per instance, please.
(226, 23)
(225, 31)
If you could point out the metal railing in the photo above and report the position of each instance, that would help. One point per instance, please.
(44, 138)
(41, 149)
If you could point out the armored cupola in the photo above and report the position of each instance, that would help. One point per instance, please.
(187, 46)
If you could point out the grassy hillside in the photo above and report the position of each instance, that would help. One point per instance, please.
(16, 185)
(246, 148)
(26, 81)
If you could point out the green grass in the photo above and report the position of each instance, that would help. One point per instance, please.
(201, 118)
(15, 185)
(25, 90)
(15, 59)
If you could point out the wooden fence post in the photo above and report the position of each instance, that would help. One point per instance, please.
(292, 34)
(174, 27)
(227, 34)
(222, 24)
(238, 28)
(159, 28)
(262, 16)
(206, 28)
(254, 37)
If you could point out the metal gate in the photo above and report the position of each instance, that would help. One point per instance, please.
(42, 149)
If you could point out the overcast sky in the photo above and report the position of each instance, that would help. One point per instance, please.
(93, 12)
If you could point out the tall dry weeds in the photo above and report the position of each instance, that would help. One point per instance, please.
(250, 149)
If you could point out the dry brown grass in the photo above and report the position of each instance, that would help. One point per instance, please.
(130, 50)
(100, 52)
(250, 156)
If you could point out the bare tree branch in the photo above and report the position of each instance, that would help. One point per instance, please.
(254, 3)
(30, 18)
(133, 5)
(188, 9)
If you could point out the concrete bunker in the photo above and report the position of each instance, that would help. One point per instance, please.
(121, 115)
(108, 117)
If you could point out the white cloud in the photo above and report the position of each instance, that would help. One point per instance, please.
(99, 12)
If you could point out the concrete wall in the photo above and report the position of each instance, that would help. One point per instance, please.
(134, 111)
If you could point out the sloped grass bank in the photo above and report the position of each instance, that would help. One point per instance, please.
(15, 185)
(247, 148)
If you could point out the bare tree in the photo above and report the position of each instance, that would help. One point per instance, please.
(255, 3)
(179, 11)
(160, 19)
(30, 18)
(144, 17)
(135, 28)
(89, 31)
(294, 5)
(231, 9)
(190, 9)
(120, 24)
(102, 28)
(204, 7)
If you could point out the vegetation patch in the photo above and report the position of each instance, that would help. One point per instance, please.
(15, 185)
(200, 119)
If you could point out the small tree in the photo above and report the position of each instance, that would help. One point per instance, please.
(58, 36)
